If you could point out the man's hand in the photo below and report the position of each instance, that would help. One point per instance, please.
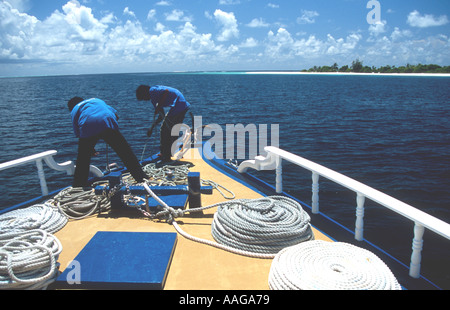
(161, 116)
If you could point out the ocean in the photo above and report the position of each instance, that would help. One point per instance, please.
(389, 132)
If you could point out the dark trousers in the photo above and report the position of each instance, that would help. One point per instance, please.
(166, 139)
(118, 143)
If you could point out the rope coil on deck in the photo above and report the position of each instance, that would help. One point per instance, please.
(78, 203)
(168, 175)
(28, 259)
(28, 250)
(325, 265)
(265, 225)
(40, 216)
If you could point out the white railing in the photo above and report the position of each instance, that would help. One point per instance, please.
(422, 220)
(68, 166)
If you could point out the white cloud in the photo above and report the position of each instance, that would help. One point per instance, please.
(398, 34)
(151, 14)
(103, 42)
(20, 5)
(415, 19)
(85, 41)
(229, 2)
(229, 25)
(78, 34)
(342, 46)
(308, 17)
(283, 46)
(378, 28)
(400, 48)
(128, 12)
(249, 43)
(177, 16)
(108, 19)
(257, 23)
(164, 3)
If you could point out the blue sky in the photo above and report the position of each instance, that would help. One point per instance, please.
(45, 37)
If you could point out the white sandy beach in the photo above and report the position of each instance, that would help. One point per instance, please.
(349, 73)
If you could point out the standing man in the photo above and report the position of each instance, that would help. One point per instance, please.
(164, 97)
(93, 120)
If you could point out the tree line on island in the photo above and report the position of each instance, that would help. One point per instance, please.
(358, 67)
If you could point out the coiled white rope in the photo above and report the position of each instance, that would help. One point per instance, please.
(78, 203)
(321, 265)
(264, 226)
(40, 216)
(28, 260)
(28, 250)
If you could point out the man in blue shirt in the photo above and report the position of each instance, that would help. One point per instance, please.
(93, 120)
(165, 97)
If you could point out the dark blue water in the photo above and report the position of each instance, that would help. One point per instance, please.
(392, 133)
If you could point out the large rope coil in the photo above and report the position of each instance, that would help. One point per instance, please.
(28, 260)
(40, 216)
(321, 265)
(28, 250)
(78, 203)
(265, 225)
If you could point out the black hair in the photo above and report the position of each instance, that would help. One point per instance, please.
(73, 102)
(143, 92)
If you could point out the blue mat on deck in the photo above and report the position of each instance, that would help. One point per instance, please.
(122, 260)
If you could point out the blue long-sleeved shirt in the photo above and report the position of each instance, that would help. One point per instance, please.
(174, 100)
(91, 117)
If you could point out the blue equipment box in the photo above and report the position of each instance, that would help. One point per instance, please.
(123, 261)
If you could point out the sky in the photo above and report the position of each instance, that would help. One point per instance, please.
(52, 37)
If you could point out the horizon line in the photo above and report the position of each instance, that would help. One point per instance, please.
(247, 72)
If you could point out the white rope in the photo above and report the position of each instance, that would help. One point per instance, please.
(265, 225)
(28, 250)
(172, 175)
(28, 259)
(40, 216)
(268, 225)
(217, 186)
(168, 175)
(77, 203)
(321, 265)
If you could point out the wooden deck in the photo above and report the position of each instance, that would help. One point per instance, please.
(194, 266)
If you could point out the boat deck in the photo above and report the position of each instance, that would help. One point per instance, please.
(194, 266)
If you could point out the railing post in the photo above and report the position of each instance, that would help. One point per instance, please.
(279, 174)
(416, 257)
(41, 174)
(315, 193)
(359, 226)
